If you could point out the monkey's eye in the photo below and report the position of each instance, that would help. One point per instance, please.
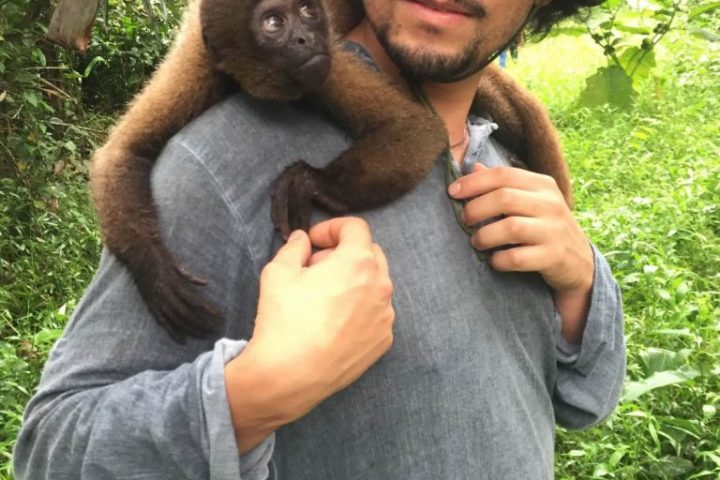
(273, 23)
(308, 10)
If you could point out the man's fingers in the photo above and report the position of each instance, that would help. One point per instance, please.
(318, 257)
(296, 252)
(520, 259)
(341, 232)
(510, 230)
(381, 259)
(505, 201)
(484, 181)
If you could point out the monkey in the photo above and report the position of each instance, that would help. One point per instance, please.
(279, 50)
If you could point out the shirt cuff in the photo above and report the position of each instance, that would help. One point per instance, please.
(219, 445)
(599, 333)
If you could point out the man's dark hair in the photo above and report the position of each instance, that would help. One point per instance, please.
(557, 10)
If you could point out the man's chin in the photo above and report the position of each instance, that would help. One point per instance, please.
(420, 63)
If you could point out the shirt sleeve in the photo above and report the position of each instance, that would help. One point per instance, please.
(590, 375)
(118, 397)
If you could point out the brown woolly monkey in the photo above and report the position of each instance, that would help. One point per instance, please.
(280, 50)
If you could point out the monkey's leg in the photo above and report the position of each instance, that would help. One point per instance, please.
(398, 141)
(525, 126)
(183, 86)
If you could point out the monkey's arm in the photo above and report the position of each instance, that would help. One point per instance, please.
(184, 85)
(397, 141)
(525, 126)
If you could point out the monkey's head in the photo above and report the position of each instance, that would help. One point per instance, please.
(275, 49)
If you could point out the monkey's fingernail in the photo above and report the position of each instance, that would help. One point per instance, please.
(454, 188)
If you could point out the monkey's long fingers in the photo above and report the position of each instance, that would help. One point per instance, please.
(185, 273)
(195, 315)
(159, 313)
(280, 204)
(300, 202)
(183, 318)
(330, 204)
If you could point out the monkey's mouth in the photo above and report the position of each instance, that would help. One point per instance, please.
(313, 72)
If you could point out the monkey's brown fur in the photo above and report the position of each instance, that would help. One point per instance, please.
(383, 117)
(525, 126)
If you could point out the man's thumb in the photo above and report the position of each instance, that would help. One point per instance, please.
(296, 252)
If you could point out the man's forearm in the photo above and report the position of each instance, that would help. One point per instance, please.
(163, 424)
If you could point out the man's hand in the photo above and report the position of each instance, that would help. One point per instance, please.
(538, 221)
(323, 319)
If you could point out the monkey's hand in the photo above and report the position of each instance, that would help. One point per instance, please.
(293, 195)
(171, 294)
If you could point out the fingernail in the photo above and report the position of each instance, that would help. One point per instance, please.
(479, 167)
(454, 188)
(295, 235)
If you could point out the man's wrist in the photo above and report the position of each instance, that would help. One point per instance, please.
(573, 307)
(256, 400)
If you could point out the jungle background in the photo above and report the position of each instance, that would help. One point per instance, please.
(635, 92)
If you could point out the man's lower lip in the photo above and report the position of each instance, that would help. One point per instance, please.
(435, 16)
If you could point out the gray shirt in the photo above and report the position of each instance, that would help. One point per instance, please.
(471, 388)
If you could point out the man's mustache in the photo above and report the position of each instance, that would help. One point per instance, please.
(472, 7)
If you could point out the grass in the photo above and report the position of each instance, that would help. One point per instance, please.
(647, 185)
(647, 191)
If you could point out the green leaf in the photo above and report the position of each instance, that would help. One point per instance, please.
(696, 12)
(32, 98)
(636, 62)
(672, 467)
(688, 427)
(623, 27)
(616, 457)
(658, 359)
(46, 336)
(91, 66)
(634, 390)
(39, 56)
(70, 145)
(608, 86)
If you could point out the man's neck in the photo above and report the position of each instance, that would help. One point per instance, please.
(451, 101)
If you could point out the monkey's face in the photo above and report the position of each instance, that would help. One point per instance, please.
(292, 36)
(441, 40)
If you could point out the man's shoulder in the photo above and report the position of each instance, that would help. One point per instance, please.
(240, 125)
(242, 144)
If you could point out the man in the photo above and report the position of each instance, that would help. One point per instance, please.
(485, 356)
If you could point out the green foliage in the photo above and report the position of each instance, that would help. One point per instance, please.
(608, 86)
(646, 184)
(34, 93)
(125, 47)
(49, 241)
(627, 35)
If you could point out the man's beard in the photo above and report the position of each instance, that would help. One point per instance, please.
(420, 66)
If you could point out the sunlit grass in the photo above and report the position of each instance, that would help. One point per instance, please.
(647, 185)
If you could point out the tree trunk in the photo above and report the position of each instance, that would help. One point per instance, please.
(72, 22)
